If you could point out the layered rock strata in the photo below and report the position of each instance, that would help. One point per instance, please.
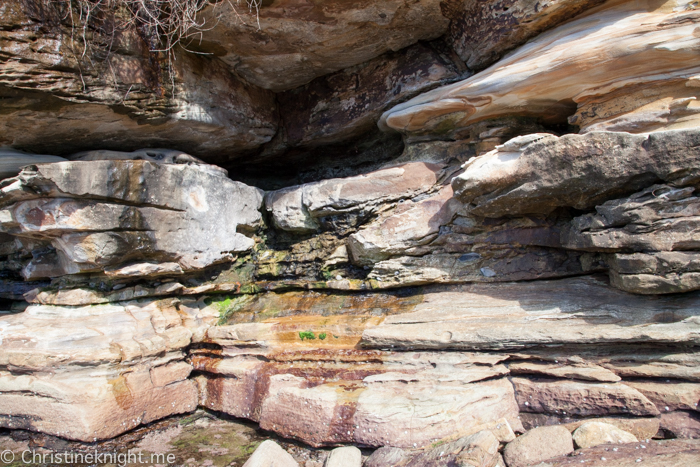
(579, 70)
(435, 303)
(98, 85)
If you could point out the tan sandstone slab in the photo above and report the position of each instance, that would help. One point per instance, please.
(517, 315)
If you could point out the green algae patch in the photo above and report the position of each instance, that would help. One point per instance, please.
(308, 335)
(229, 305)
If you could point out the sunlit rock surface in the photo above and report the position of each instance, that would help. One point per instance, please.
(631, 45)
(93, 215)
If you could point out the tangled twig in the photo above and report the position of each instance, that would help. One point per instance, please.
(169, 23)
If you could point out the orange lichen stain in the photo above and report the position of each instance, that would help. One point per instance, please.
(275, 306)
(338, 331)
(121, 392)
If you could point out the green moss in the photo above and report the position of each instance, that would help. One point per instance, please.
(308, 335)
(226, 306)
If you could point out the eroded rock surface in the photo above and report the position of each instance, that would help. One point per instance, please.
(286, 44)
(580, 171)
(620, 44)
(60, 94)
(92, 215)
(93, 372)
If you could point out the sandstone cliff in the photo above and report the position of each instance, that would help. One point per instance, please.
(417, 227)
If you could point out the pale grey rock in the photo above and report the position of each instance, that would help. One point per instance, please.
(489, 265)
(296, 209)
(12, 161)
(538, 445)
(640, 235)
(517, 315)
(594, 433)
(347, 456)
(655, 272)
(578, 171)
(106, 214)
(270, 454)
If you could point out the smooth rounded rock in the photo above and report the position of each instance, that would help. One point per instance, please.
(347, 456)
(270, 454)
(538, 445)
(594, 433)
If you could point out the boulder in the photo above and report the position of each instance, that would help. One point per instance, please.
(591, 434)
(93, 218)
(387, 457)
(579, 171)
(286, 44)
(270, 454)
(619, 45)
(538, 445)
(348, 456)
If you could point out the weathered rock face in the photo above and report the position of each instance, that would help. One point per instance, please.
(288, 43)
(91, 216)
(11, 161)
(481, 32)
(64, 96)
(93, 372)
(620, 44)
(294, 209)
(537, 173)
